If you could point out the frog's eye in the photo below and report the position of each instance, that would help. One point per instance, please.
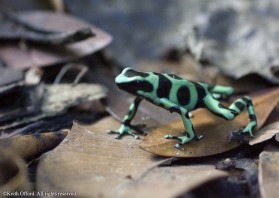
(133, 73)
(130, 73)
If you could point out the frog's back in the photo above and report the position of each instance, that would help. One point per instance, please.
(186, 93)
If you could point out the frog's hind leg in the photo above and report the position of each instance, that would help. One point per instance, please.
(232, 111)
(220, 92)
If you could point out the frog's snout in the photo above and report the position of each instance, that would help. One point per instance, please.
(118, 79)
(123, 77)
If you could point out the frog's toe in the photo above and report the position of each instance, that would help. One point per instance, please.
(184, 132)
(182, 140)
(199, 137)
(249, 131)
(168, 137)
(178, 146)
(111, 132)
(126, 133)
(135, 136)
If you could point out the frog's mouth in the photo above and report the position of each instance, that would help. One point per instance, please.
(129, 87)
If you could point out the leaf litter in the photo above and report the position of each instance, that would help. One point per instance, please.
(269, 172)
(29, 55)
(58, 98)
(107, 167)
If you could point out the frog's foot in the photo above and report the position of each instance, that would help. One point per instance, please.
(249, 128)
(183, 139)
(197, 137)
(123, 130)
(221, 97)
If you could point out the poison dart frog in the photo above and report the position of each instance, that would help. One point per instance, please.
(179, 95)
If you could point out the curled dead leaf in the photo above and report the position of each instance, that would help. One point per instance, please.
(30, 146)
(214, 129)
(265, 133)
(18, 57)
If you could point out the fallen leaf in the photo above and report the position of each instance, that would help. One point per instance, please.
(239, 163)
(38, 55)
(232, 45)
(249, 83)
(214, 129)
(29, 147)
(249, 175)
(167, 182)
(29, 104)
(62, 96)
(274, 116)
(269, 173)
(10, 76)
(13, 173)
(93, 163)
(58, 98)
(265, 133)
(15, 29)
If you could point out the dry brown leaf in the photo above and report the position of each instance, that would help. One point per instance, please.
(93, 163)
(37, 55)
(30, 146)
(214, 129)
(165, 182)
(269, 173)
(13, 173)
(265, 133)
(59, 98)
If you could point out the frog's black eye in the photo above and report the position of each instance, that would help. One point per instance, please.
(133, 73)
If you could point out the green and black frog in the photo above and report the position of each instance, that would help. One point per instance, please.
(179, 95)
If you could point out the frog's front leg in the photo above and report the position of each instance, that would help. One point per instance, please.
(220, 92)
(125, 128)
(189, 133)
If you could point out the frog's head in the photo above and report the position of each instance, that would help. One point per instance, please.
(133, 81)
